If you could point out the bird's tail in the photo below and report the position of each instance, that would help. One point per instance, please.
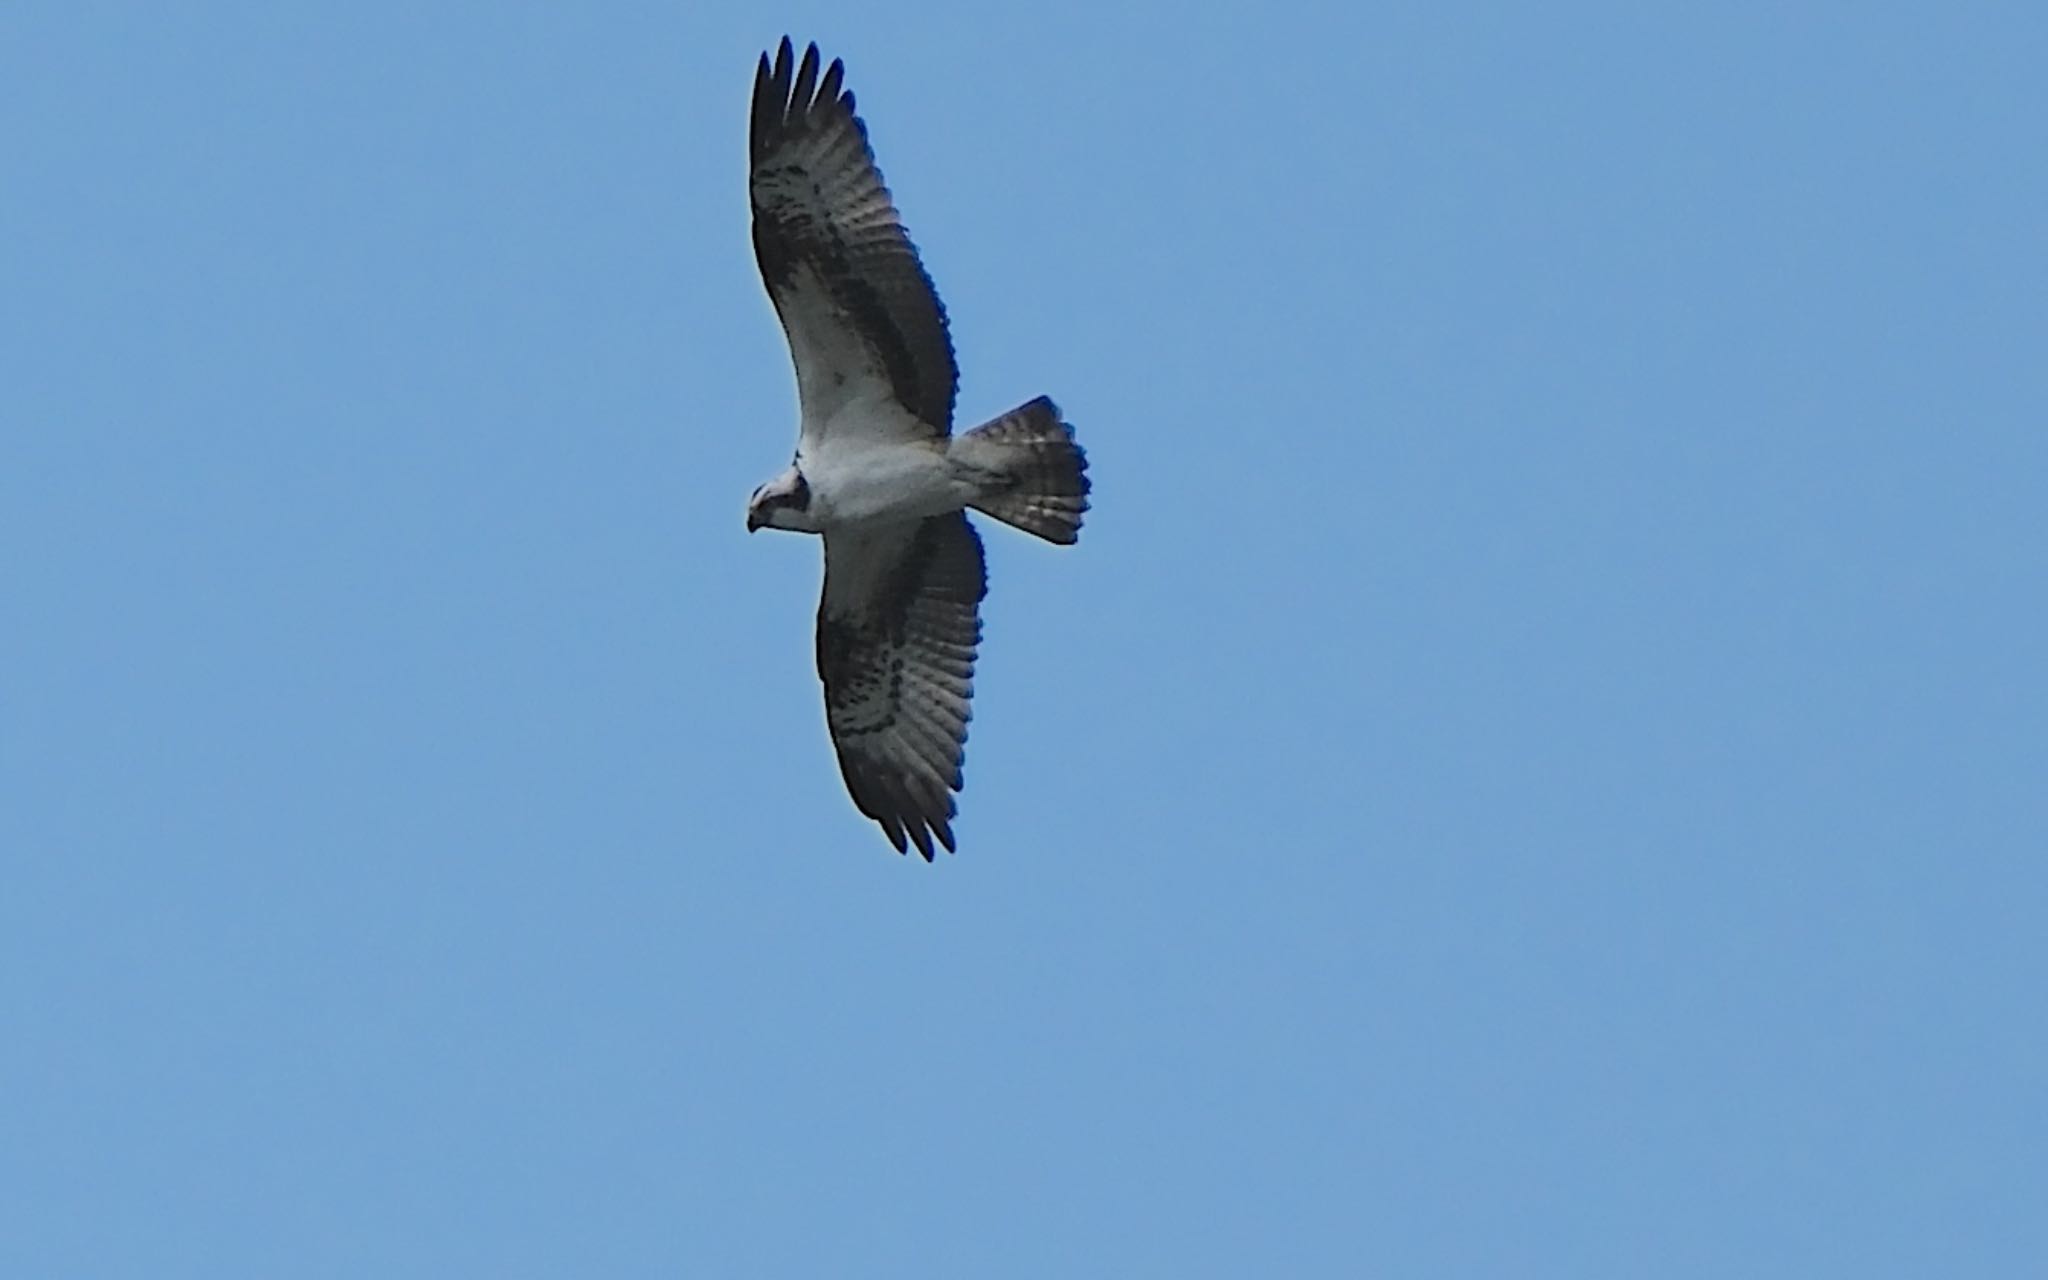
(1033, 475)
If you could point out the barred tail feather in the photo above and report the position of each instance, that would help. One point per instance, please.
(1036, 476)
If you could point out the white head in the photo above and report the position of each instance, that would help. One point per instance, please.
(782, 503)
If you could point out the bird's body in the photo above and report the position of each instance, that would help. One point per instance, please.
(878, 471)
(853, 483)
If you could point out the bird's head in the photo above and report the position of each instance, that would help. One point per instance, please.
(782, 503)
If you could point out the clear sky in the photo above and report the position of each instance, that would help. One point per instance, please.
(1536, 766)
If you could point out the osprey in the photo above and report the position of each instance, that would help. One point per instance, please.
(878, 471)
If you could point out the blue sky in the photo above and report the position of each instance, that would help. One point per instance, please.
(1535, 767)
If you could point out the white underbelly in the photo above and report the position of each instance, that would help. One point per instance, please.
(850, 484)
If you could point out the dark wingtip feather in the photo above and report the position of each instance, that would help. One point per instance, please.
(806, 81)
(788, 91)
(771, 99)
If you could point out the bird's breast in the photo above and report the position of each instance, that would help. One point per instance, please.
(851, 484)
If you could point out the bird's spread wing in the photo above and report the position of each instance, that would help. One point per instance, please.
(897, 630)
(860, 312)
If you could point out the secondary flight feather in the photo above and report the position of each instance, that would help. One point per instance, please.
(878, 472)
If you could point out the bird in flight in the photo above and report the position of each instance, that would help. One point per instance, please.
(878, 471)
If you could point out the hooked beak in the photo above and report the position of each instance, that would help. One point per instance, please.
(754, 521)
